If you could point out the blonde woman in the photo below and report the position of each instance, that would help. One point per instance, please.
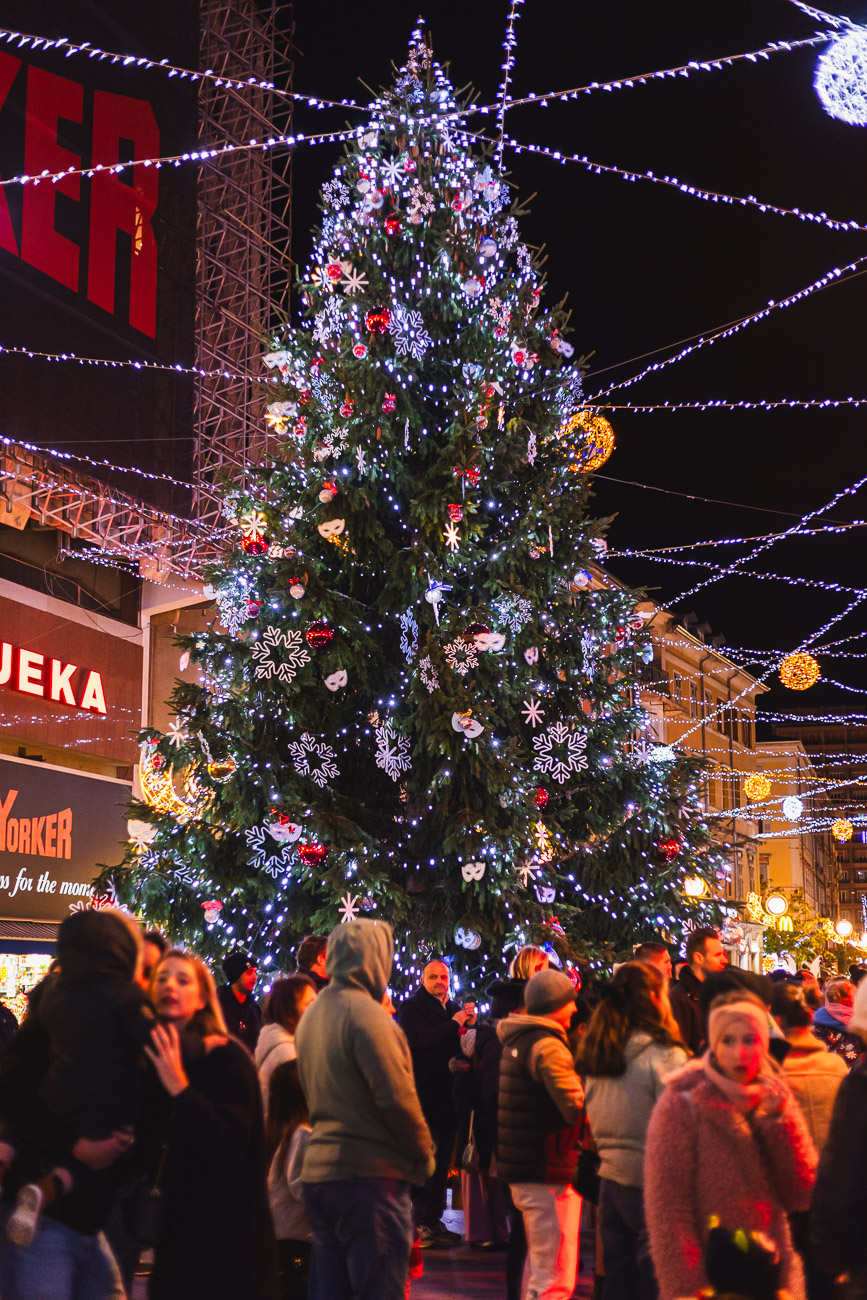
(216, 1238)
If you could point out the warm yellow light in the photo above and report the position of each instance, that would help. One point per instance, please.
(799, 671)
(844, 929)
(842, 829)
(253, 525)
(695, 887)
(158, 790)
(776, 904)
(221, 769)
(592, 449)
(757, 786)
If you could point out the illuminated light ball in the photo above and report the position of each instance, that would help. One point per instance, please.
(843, 929)
(757, 786)
(667, 850)
(776, 904)
(359, 351)
(389, 402)
(213, 907)
(792, 808)
(593, 449)
(840, 80)
(221, 769)
(541, 798)
(254, 545)
(695, 887)
(842, 829)
(455, 512)
(312, 854)
(392, 224)
(378, 320)
(318, 635)
(334, 271)
(799, 671)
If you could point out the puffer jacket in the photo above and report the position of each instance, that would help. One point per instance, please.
(705, 1159)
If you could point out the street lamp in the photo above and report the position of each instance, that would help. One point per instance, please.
(776, 904)
(695, 887)
(843, 929)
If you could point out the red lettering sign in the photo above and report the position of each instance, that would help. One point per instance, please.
(26, 671)
(49, 98)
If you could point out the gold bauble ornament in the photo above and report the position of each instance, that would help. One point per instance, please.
(799, 671)
(842, 829)
(594, 445)
(757, 786)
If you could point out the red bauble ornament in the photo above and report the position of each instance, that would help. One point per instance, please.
(346, 409)
(334, 271)
(474, 630)
(359, 351)
(378, 320)
(312, 854)
(541, 798)
(253, 608)
(389, 402)
(254, 545)
(667, 850)
(318, 635)
(158, 762)
(392, 224)
(455, 512)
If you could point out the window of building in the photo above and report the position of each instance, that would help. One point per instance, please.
(860, 877)
(844, 897)
(844, 877)
(693, 700)
(764, 869)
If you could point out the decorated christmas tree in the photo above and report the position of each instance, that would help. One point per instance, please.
(417, 701)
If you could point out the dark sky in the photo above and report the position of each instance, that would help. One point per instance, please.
(645, 266)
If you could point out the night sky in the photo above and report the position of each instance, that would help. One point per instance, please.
(646, 267)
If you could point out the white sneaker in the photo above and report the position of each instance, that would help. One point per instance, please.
(21, 1224)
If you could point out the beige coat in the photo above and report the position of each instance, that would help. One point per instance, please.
(814, 1074)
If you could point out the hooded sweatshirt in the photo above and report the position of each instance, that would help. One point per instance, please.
(275, 1046)
(356, 1070)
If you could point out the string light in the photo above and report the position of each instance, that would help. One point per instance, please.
(69, 48)
(723, 404)
(837, 274)
(100, 464)
(509, 45)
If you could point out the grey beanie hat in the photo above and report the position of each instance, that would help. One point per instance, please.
(547, 991)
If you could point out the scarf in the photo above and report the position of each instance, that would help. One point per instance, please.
(743, 1096)
(840, 1011)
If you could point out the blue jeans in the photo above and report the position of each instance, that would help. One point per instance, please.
(362, 1235)
(629, 1271)
(59, 1264)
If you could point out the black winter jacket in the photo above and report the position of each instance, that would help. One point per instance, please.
(686, 1008)
(838, 1215)
(534, 1142)
(217, 1239)
(434, 1038)
(243, 1019)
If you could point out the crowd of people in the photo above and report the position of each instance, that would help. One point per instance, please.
(715, 1120)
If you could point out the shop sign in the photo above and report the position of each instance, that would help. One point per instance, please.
(33, 673)
(56, 828)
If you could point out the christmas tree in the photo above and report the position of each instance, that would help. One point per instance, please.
(417, 701)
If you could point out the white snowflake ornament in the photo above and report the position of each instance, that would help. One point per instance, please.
(392, 751)
(266, 853)
(560, 751)
(533, 712)
(461, 656)
(429, 675)
(409, 334)
(349, 905)
(280, 654)
(314, 758)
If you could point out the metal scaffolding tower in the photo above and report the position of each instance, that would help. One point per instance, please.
(243, 235)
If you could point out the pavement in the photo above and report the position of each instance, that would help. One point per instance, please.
(463, 1273)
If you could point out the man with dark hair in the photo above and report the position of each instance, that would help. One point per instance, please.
(654, 954)
(311, 959)
(154, 946)
(243, 1017)
(705, 956)
(432, 1024)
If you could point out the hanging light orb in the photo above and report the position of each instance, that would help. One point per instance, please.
(593, 445)
(695, 887)
(843, 929)
(841, 77)
(799, 671)
(757, 787)
(792, 808)
(842, 829)
(776, 904)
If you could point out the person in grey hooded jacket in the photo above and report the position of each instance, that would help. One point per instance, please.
(370, 1140)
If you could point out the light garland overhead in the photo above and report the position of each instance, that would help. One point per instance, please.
(723, 404)
(99, 464)
(509, 45)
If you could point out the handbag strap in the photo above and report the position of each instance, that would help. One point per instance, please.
(470, 1134)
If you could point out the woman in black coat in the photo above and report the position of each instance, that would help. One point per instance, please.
(216, 1237)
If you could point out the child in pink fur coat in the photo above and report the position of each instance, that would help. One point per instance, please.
(726, 1144)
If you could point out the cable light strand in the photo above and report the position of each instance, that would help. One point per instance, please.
(34, 354)
(836, 20)
(721, 571)
(68, 48)
(683, 187)
(746, 404)
(837, 274)
(509, 45)
(651, 551)
(98, 464)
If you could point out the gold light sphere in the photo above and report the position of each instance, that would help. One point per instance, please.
(844, 929)
(842, 829)
(593, 445)
(695, 887)
(799, 671)
(757, 786)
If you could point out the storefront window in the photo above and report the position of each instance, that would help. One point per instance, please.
(18, 975)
